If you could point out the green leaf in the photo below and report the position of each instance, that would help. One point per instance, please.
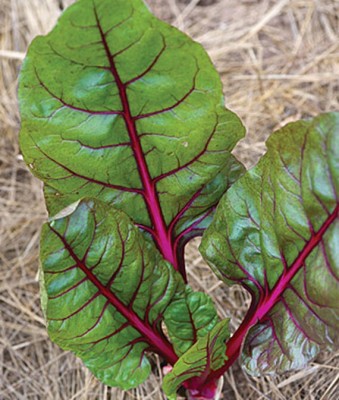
(205, 356)
(190, 222)
(105, 290)
(275, 232)
(189, 318)
(120, 106)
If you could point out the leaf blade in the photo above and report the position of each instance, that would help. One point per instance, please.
(279, 215)
(91, 308)
(189, 317)
(204, 357)
(92, 127)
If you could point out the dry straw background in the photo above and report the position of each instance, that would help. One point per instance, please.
(279, 61)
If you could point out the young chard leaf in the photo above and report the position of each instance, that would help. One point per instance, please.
(204, 357)
(120, 106)
(274, 233)
(90, 307)
(189, 318)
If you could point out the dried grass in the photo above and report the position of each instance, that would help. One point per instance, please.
(279, 61)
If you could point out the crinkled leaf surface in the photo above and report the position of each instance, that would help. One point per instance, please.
(191, 222)
(205, 356)
(188, 318)
(120, 106)
(105, 290)
(276, 233)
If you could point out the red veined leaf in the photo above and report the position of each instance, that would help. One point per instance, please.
(120, 106)
(276, 233)
(204, 357)
(104, 291)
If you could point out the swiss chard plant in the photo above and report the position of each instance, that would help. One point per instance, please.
(123, 119)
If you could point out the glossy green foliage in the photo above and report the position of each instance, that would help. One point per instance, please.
(205, 356)
(189, 318)
(275, 232)
(123, 109)
(90, 307)
(120, 106)
(105, 291)
(124, 121)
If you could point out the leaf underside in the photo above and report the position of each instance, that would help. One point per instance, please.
(120, 106)
(275, 233)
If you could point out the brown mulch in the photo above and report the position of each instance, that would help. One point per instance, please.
(279, 61)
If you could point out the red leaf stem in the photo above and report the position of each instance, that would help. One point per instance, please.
(154, 338)
(161, 234)
(258, 312)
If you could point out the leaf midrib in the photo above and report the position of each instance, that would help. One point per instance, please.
(258, 312)
(154, 338)
(161, 234)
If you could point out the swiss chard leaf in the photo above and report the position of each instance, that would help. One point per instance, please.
(274, 233)
(120, 106)
(91, 308)
(188, 318)
(204, 357)
(105, 291)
